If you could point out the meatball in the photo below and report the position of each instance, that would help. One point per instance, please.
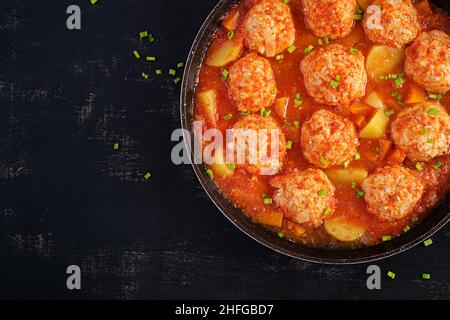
(255, 137)
(428, 61)
(328, 139)
(334, 76)
(268, 27)
(398, 26)
(304, 196)
(391, 193)
(251, 83)
(422, 132)
(329, 18)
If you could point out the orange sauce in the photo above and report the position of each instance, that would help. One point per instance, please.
(245, 190)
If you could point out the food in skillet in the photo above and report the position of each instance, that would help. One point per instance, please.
(360, 115)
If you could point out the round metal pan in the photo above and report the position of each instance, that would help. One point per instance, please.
(435, 220)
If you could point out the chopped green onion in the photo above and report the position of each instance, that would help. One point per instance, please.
(354, 50)
(228, 116)
(230, 35)
(94, 1)
(244, 113)
(289, 144)
(414, 219)
(323, 161)
(298, 99)
(434, 96)
(389, 113)
(267, 201)
(386, 238)
(423, 131)
(180, 65)
(431, 140)
(322, 192)
(334, 83)
(147, 176)
(136, 54)
(231, 166)
(151, 58)
(394, 94)
(158, 71)
(433, 111)
(151, 38)
(360, 194)
(209, 173)
(308, 49)
(392, 76)
(428, 242)
(143, 34)
(296, 124)
(172, 72)
(327, 40)
(437, 165)
(399, 82)
(319, 42)
(116, 146)
(225, 74)
(338, 78)
(265, 112)
(406, 229)
(281, 234)
(419, 166)
(144, 75)
(177, 80)
(279, 57)
(291, 49)
(426, 276)
(353, 185)
(391, 275)
(358, 13)
(357, 156)
(264, 195)
(327, 211)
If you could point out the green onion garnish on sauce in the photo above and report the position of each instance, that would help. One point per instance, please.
(291, 49)
(267, 201)
(428, 242)
(151, 58)
(144, 75)
(230, 35)
(419, 166)
(231, 166)
(225, 74)
(116, 146)
(158, 72)
(354, 50)
(228, 116)
(209, 173)
(406, 229)
(334, 83)
(147, 176)
(308, 49)
(426, 276)
(180, 65)
(136, 54)
(391, 274)
(437, 165)
(322, 192)
(434, 96)
(281, 234)
(323, 160)
(177, 80)
(289, 144)
(386, 238)
(172, 72)
(327, 211)
(414, 219)
(360, 194)
(357, 156)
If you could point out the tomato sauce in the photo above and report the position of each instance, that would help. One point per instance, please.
(245, 190)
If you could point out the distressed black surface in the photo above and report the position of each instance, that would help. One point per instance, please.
(66, 197)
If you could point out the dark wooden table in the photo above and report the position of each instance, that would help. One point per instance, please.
(67, 197)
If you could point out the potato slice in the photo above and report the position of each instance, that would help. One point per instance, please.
(219, 167)
(346, 176)
(230, 20)
(208, 102)
(223, 52)
(383, 60)
(376, 127)
(343, 229)
(271, 218)
(374, 99)
(415, 95)
(281, 105)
